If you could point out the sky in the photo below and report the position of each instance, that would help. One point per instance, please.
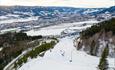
(70, 3)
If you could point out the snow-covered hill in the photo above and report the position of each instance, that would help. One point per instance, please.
(64, 56)
(59, 58)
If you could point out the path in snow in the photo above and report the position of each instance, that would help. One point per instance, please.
(59, 58)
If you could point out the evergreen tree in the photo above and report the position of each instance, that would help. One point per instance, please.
(92, 48)
(103, 65)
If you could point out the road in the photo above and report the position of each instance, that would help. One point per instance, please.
(10, 66)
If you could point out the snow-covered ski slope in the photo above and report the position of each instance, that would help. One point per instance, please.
(59, 58)
(64, 55)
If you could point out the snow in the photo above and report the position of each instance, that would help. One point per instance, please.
(90, 11)
(57, 29)
(111, 62)
(2, 17)
(64, 55)
(9, 30)
(1, 48)
(54, 60)
(8, 16)
(45, 32)
(12, 20)
(24, 13)
(12, 15)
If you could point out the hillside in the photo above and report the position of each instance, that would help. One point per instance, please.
(21, 16)
(13, 44)
(93, 40)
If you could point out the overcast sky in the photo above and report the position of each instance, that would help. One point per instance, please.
(71, 3)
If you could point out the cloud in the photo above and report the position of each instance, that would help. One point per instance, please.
(72, 3)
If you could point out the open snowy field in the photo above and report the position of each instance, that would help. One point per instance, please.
(57, 29)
